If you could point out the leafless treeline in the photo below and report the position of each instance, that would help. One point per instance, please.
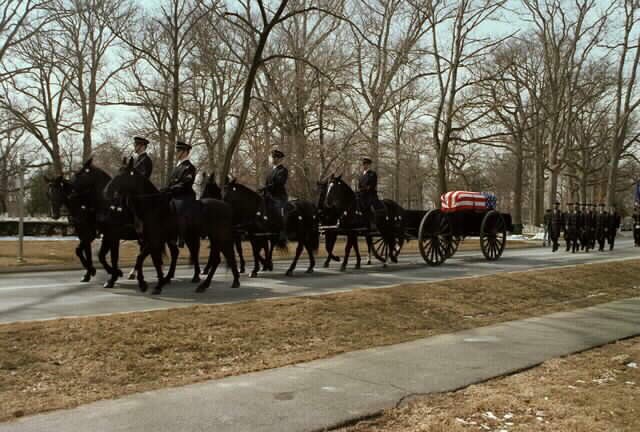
(535, 100)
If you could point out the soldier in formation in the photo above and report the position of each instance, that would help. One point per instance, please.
(573, 227)
(556, 224)
(636, 224)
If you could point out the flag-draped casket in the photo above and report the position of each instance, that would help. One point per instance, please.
(456, 201)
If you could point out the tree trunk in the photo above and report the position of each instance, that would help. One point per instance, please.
(375, 138)
(518, 187)
(612, 174)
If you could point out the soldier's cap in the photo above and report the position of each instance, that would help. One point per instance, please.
(180, 145)
(277, 154)
(366, 160)
(140, 140)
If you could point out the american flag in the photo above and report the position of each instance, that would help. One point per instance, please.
(464, 200)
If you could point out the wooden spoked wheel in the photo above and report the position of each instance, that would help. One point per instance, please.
(493, 235)
(435, 237)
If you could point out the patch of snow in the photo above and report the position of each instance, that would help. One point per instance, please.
(632, 365)
(40, 238)
(489, 415)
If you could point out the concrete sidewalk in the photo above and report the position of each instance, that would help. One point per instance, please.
(324, 393)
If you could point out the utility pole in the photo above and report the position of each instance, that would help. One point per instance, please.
(21, 213)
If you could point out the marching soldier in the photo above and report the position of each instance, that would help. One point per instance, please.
(573, 228)
(180, 187)
(585, 231)
(592, 235)
(601, 226)
(636, 224)
(613, 225)
(556, 225)
(143, 164)
(547, 228)
(276, 187)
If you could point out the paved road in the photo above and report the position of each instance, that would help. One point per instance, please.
(45, 295)
(324, 393)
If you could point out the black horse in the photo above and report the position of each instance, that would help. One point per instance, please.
(158, 221)
(327, 217)
(91, 215)
(355, 221)
(254, 214)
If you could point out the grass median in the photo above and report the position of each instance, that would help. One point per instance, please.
(63, 363)
(598, 390)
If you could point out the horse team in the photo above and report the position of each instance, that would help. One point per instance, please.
(129, 207)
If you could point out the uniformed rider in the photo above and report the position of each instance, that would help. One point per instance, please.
(143, 163)
(276, 187)
(180, 187)
(368, 190)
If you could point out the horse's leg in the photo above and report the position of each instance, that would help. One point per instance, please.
(83, 251)
(238, 244)
(88, 255)
(269, 251)
(227, 251)
(329, 244)
(205, 270)
(80, 255)
(292, 267)
(347, 251)
(256, 258)
(214, 259)
(112, 246)
(105, 246)
(142, 284)
(156, 256)
(115, 257)
(312, 259)
(369, 241)
(174, 251)
(356, 248)
(194, 251)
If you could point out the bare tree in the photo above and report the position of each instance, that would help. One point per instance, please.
(87, 46)
(20, 20)
(397, 27)
(454, 66)
(626, 96)
(164, 45)
(38, 99)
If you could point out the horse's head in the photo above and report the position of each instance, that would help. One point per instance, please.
(322, 185)
(58, 192)
(127, 182)
(211, 188)
(339, 195)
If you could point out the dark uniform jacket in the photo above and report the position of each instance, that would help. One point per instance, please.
(368, 189)
(557, 223)
(181, 181)
(601, 225)
(613, 223)
(276, 183)
(143, 165)
(573, 223)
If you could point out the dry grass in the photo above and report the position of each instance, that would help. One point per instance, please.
(592, 391)
(62, 363)
(62, 253)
